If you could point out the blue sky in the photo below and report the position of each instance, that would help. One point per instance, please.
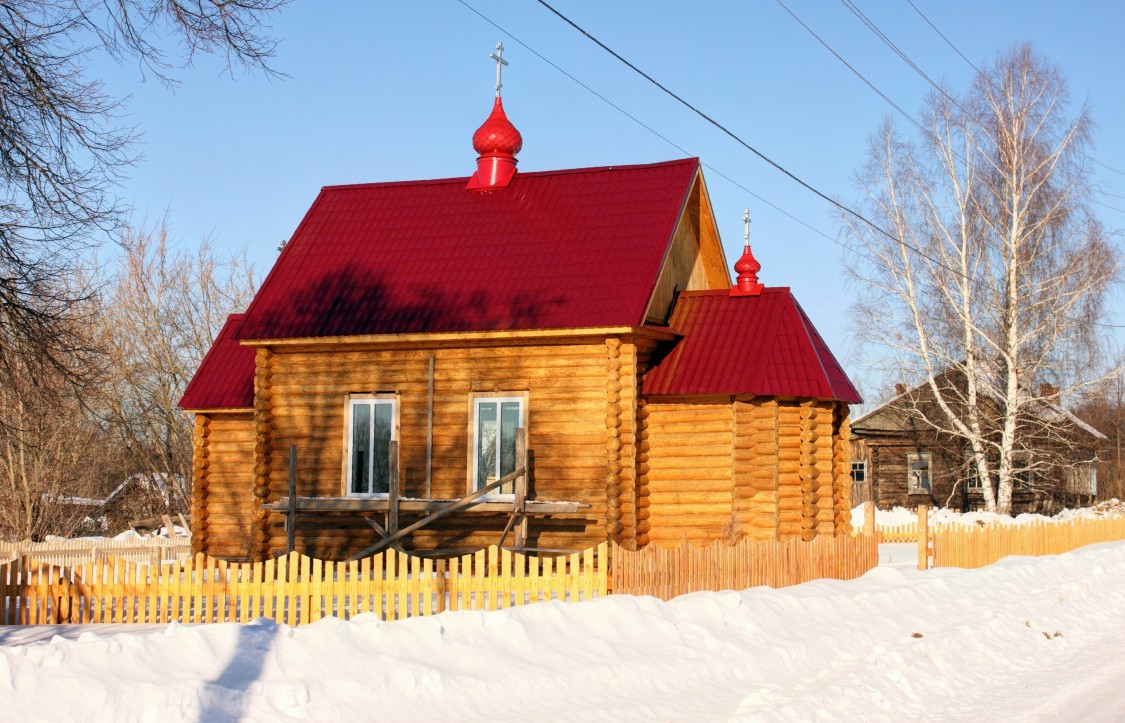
(393, 91)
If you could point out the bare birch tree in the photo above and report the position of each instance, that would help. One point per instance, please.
(994, 269)
(162, 309)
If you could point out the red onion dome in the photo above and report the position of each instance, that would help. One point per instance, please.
(497, 135)
(748, 266)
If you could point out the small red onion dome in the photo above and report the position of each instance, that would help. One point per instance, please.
(747, 268)
(497, 141)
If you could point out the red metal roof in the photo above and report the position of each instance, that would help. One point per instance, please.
(560, 249)
(225, 378)
(762, 345)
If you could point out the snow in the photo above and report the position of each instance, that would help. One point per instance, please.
(1026, 638)
(941, 515)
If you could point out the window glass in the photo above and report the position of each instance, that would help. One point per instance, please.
(919, 471)
(381, 450)
(972, 479)
(372, 430)
(859, 472)
(496, 420)
(509, 423)
(361, 448)
(486, 443)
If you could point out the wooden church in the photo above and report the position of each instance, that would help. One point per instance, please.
(546, 360)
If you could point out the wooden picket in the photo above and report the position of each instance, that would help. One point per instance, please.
(666, 573)
(979, 545)
(153, 550)
(293, 589)
(906, 532)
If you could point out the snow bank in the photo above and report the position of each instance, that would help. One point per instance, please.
(942, 515)
(895, 644)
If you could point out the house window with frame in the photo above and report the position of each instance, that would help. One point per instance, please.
(859, 471)
(495, 421)
(371, 429)
(972, 479)
(918, 470)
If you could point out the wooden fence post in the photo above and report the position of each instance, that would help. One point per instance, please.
(392, 490)
(923, 537)
(869, 518)
(521, 489)
(291, 513)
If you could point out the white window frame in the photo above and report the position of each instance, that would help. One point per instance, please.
(372, 400)
(973, 481)
(912, 487)
(859, 465)
(475, 400)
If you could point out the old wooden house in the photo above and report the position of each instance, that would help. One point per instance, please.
(553, 358)
(898, 459)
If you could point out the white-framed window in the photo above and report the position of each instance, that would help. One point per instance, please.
(372, 424)
(972, 479)
(859, 471)
(495, 421)
(918, 468)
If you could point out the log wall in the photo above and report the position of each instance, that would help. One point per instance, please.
(756, 467)
(223, 503)
(581, 429)
(687, 474)
(650, 470)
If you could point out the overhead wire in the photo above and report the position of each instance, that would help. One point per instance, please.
(650, 129)
(940, 33)
(875, 227)
(723, 128)
(975, 68)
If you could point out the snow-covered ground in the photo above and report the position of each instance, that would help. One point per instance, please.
(1025, 639)
(941, 515)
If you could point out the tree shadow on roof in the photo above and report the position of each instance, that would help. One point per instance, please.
(353, 303)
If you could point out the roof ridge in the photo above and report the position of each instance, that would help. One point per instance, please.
(726, 292)
(522, 174)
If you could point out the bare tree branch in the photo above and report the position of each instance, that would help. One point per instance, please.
(999, 272)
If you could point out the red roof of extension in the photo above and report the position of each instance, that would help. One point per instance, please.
(225, 378)
(763, 345)
(558, 249)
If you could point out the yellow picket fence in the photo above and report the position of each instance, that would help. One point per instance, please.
(980, 545)
(153, 550)
(292, 589)
(907, 532)
(666, 573)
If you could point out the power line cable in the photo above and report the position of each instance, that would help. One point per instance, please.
(656, 133)
(974, 67)
(856, 72)
(947, 40)
(721, 127)
(898, 51)
(739, 140)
